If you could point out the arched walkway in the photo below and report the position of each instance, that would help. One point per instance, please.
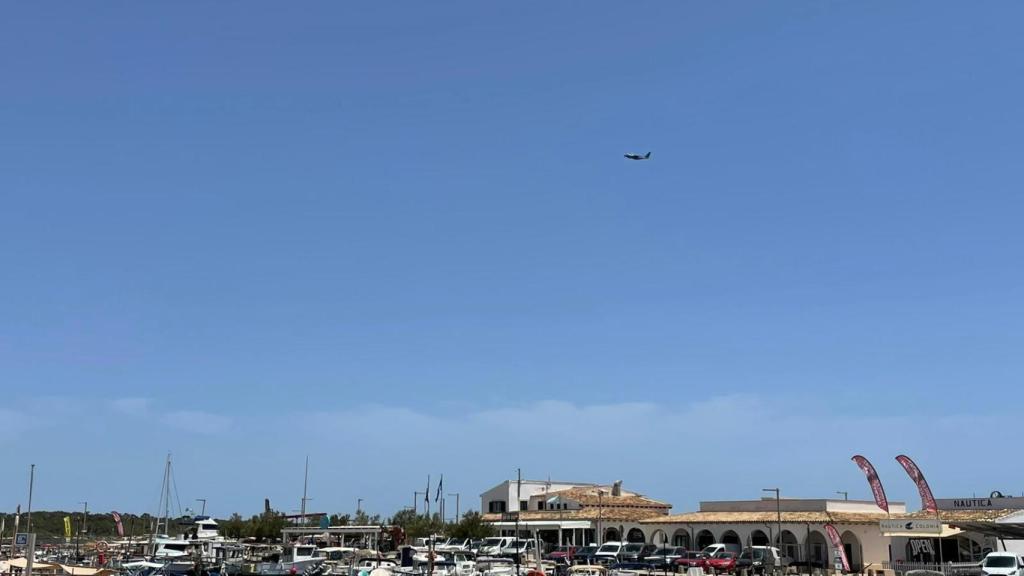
(612, 535)
(705, 538)
(818, 548)
(681, 538)
(790, 546)
(730, 537)
(635, 535)
(659, 538)
(758, 538)
(853, 550)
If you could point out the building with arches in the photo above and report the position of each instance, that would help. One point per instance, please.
(573, 513)
(803, 537)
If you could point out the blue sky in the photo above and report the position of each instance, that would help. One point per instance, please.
(401, 238)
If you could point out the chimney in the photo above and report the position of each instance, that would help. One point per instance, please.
(617, 488)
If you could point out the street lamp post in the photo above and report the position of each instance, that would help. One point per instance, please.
(778, 512)
(846, 495)
(456, 494)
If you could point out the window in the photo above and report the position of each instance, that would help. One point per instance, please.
(524, 505)
(496, 506)
(540, 505)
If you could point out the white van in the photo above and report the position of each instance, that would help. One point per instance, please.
(713, 549)
(494, 546)
(1002, 564)
(609, 550)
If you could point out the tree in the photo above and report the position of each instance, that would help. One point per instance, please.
(471, 526)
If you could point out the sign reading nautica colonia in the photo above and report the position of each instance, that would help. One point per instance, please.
(923, 526)
(1004, 503)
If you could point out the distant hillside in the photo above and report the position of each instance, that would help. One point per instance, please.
(50, 525)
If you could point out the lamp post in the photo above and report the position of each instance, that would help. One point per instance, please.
(846, 495)
(778, 512)
(456, 494)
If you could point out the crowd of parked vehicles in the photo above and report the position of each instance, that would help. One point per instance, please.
(714, 559)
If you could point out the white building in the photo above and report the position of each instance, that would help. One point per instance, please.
(578, 514)
(513, 496)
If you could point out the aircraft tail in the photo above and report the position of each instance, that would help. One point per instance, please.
(648, 155)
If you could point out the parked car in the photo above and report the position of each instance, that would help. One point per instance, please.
(665, 556)
(762, 558)
(523, 548)
(1002, 564)
(690, 559)
(723, 561)
(493, 546)
(610, 550)
(584, 555)
(630, 566)
(717, 547)
(636, 552)
(561, 553)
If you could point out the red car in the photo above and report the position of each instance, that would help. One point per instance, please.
(690, 559)
(721, 562)
(563, 553)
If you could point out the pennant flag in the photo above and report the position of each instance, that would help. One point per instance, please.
(120, 527)
(873, 481)
(67, 527)
(927, 500)
(439, 488)
(837, 543)
(426, 494)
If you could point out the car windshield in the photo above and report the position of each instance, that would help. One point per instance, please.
(662, 552)
(491, 542)
(613, 548)
(724, 554)
(1000, 562)
(587, 550)
(633, 547)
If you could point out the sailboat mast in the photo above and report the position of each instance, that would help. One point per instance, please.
(305, 486)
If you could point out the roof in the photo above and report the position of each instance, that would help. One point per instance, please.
(591, 497)
(768, 517)
(622, 514)
(954, 516)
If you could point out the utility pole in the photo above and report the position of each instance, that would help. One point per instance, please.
(456, 494)
(778, 512)
(519, 509)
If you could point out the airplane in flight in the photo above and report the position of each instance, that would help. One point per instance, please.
(633, 156)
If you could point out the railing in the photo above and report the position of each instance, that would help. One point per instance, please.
(948, 568)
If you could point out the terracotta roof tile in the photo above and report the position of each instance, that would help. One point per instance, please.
(767, 517)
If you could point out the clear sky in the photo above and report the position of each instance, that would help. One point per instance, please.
(400, 237)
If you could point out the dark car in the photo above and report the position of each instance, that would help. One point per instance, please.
(665, 557)
(636, 552)
(584, 555)
(691, 559)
